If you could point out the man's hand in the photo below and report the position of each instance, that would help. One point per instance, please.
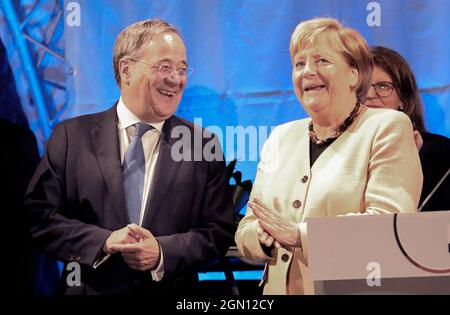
(122, 236)
(278, 226)
(143, 255)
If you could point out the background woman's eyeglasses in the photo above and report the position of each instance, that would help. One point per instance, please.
(383, 88)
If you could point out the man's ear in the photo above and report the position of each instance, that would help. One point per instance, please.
(354, 77)
(124, 71)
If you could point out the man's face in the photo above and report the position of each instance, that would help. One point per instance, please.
(150, 93)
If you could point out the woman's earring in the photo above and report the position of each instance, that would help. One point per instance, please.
(401, 108)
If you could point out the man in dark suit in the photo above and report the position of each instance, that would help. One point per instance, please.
(112, 193)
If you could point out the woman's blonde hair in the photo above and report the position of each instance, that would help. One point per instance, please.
(350, 43)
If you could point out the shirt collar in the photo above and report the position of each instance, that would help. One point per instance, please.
(127, 118)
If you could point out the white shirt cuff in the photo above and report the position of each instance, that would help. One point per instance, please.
(158, 273)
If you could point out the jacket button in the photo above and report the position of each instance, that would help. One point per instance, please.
(297, 203)
(305, 179)
(285, 257)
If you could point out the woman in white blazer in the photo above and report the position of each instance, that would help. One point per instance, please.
(344, 159)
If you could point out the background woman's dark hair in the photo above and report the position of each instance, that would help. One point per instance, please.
(403, 78)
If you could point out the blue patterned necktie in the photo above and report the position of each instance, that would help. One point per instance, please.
(134, 173)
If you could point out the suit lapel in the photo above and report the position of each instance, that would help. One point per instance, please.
(330, 152)
(165, 173)
(106, 142)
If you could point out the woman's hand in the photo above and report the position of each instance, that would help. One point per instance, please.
(277, 226)
(265, 238)
(418, 140)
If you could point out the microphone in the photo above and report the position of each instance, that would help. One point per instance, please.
(433, 191)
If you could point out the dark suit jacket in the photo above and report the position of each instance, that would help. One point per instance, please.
(77, 198)
(435, 160)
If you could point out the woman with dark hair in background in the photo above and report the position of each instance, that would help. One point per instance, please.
(394, 86)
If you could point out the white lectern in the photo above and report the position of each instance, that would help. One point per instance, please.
(380, 254)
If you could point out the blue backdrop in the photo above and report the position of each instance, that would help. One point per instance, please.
(239, 52)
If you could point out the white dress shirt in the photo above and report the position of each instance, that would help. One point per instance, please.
(150, 143)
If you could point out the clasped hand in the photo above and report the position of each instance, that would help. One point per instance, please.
(138, 247)
(275, 228)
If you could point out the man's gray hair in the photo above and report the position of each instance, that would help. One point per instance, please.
(130, 40)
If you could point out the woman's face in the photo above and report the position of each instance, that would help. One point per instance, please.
(322, 77)
(386, 96)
